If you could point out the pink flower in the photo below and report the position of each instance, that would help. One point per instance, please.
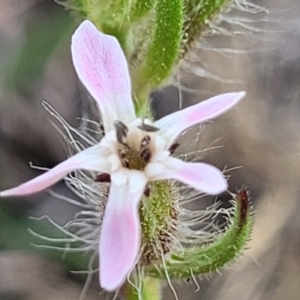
(133, 151)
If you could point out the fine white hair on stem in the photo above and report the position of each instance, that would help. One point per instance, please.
(167, 274)
(116, 294)
(68, 200)
(249, 23)
(85, 239)
(249, 7)
(138, 276)
(195, 281)
(89, 276)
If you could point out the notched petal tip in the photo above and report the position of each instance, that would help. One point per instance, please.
(101, 66)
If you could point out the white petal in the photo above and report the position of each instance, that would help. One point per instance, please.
(89, 159)
(159, 143)
(137, 179)
(120, 177)
(172, 125)
(120, 238)
(153, 169)
(200, 176)
(160, 156)
(101, 66)
(114, 161)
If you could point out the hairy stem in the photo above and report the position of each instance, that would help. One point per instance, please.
(208, 258)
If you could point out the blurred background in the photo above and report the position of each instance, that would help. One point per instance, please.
(262, 134)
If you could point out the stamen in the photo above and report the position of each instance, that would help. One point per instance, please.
(147, 127)
(145, 141)
(121, 131)
(126, 164)
(145, 155)
(173, 148)
(104, 177)
(147, 191)
(102, 129)
(145, 152)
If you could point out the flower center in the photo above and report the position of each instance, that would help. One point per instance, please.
(135, 158)
(135, 144)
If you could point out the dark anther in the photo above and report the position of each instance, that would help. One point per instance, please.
(145, 155)
(147, 127)
(104, 177)
(145, 141)
(126, 164)
(147, 191)
(102, 129)
(144, 151)
(122, 153)
(121, 131)
(173, 148)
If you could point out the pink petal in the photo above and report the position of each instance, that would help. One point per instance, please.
(89, 159)
(121, 233)
(172, 125)
(200, 176)
(101, 66)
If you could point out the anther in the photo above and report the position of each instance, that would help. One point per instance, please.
(102, 129)
(104, 177)
(145, 141)
(173, 148)
(145, 155)
(126, 164)
(121, 131)
(147, 191)
(147, 127)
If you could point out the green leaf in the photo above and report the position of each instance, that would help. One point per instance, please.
(163, 49)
